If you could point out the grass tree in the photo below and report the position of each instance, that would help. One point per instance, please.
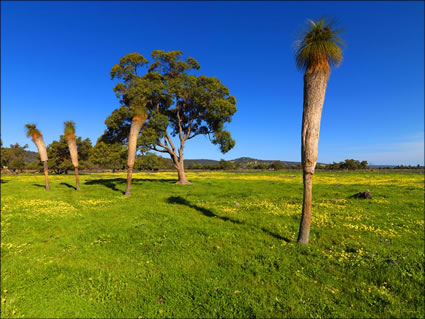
(318, 49)
(139, 118)
(70, 138)
(134, 92)
(37, 138)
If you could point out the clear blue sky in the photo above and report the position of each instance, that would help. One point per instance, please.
(56, 58)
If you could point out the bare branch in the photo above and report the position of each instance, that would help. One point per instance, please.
(180, 125)
(196, 134)
(170, 142)
(189, 129)
(158, 150)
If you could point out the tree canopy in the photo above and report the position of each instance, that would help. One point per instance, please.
(177, 102)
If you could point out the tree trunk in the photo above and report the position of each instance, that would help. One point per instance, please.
(39, 142)
(314, 95)
(72, 145)
(129, 176)
(182, 176)
(77, 179)
(46, 175)
(136, 126)
(304, 232)
(73, 151)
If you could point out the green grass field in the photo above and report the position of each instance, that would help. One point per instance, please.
(222, 247)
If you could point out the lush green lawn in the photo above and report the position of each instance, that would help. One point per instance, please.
(222, 247)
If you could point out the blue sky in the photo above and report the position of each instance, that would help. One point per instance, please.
(56, 58)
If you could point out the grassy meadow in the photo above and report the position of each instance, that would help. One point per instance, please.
(222, 247)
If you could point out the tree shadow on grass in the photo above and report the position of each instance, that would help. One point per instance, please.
(38, 185)
(3, 181)
(68, 185)
(206, 212)
(113, 182)
(180, 200)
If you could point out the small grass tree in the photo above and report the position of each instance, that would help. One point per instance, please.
(70, 138)
(318, 48)
(37, 138)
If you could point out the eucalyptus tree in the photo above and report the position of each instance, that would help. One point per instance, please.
(177, 104)
(69, 135)
(317, 50)
(37, 138)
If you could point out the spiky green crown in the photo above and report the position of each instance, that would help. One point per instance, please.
(32, 130)
(138, 107)
(69, 128)
(319, 47)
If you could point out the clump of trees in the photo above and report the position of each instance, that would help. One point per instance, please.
(13, 157)
(409, 167)
(60, 155)
(178, 105)
(108, 156)
(349, 164)
(152, 162)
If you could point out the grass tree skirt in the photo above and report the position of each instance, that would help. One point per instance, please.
(38, 141)
(72, 144)
(136, 126)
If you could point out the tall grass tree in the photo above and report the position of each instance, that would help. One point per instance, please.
(69, 134)
(134, 92)
(37, 138)
(318, 49)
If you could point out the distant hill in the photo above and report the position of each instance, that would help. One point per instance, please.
(246, 160)
(30, 157)
(188, 162)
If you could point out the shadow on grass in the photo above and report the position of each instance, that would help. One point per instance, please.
(68, 185)
(38, 185)
(181, 201)
(3, 181)
(113, 182)
(206, 212)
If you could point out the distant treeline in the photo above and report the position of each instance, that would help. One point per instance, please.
(409, 167)
(114, 157)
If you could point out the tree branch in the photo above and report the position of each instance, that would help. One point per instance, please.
(169, 142)
(189, 129)
(168, 150)
(158, 150)
(209, 132)
(180, 125)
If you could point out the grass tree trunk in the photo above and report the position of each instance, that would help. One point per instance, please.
(314, 95)
(77, 179)
(72, 144)
(136, 126)
(46, 175)
(39, 142)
